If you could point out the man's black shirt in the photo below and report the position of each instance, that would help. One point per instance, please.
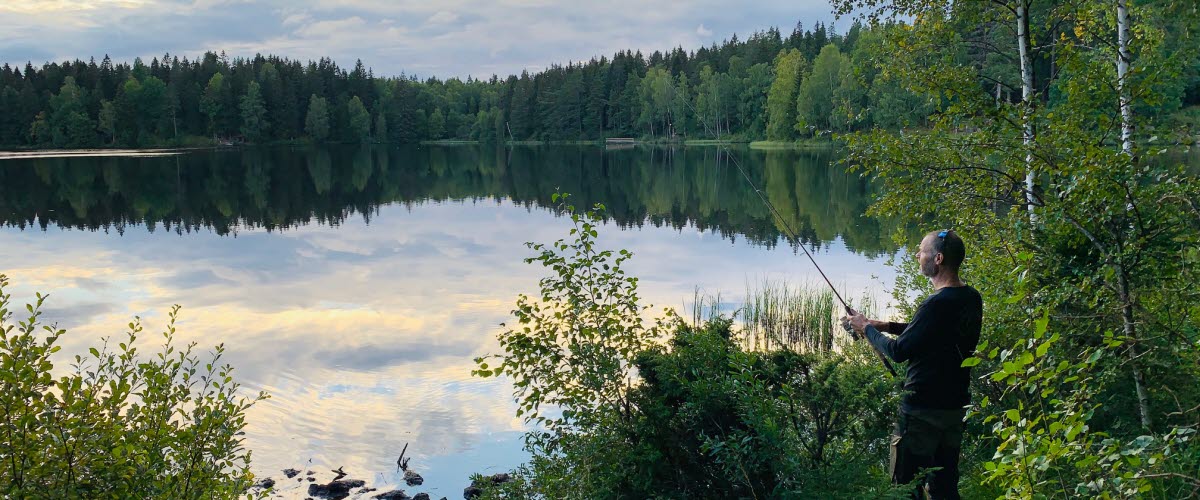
(940, 336)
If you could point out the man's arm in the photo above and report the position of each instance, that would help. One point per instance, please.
(891, 327)
(915, 337)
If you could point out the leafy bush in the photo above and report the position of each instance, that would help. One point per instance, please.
(573, 352)
(721, 421)
(1046, 440)
(636, 408)
(116, 425)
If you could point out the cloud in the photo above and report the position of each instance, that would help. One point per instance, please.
(76, 314)
(295, 19)
(442, 17)
(373, 356)
(331, 28)
(445, 39)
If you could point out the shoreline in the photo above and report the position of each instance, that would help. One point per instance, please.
(75, 153)
(17, 154)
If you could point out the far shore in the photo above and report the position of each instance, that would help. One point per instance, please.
(71, 153)
(18, 154)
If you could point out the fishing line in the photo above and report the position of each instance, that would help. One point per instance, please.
(787, 228)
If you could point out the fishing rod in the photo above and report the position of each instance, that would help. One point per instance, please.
(790, 233)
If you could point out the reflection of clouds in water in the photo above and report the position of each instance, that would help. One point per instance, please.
(364, 335)
(196, 278)
(362, 420)
(76, 314)
(373, 357)
(89, 284)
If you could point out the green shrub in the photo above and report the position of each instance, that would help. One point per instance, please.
(721, 421)
(116, 424)
(626, 407)
(1046, 437)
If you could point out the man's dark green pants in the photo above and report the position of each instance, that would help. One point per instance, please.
(927, 439)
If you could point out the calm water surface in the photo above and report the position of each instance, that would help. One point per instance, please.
(355, 285)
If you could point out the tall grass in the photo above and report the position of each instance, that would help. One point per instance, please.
(781, 315)
(803, 318)
(704, 307)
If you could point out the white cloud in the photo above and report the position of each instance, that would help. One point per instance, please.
(297, 18)
(445, 38)
(442, 17)
(336, 28)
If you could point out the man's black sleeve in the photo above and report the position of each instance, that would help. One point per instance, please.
(915, 338)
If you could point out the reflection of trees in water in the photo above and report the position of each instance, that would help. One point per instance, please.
(278, 188)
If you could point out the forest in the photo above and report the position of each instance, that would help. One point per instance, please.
(1047, 146)
(766, 86)
(1041, 131)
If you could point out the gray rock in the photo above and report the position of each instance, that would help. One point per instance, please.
(421, 496)
(412, 478)
(266, 483)
(392, 495)
(475, 490)
(335, 490)
(290, 473)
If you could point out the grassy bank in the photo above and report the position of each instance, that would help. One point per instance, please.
(813, 143)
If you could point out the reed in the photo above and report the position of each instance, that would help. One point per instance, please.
(779, 315)
(704, 307)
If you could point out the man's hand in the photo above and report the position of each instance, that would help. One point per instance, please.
(857, 321)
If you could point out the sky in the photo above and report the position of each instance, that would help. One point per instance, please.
(445, 38)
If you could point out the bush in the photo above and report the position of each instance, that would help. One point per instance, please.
(1046, 439)
(116, 424)
(719, 421)
(627, 416)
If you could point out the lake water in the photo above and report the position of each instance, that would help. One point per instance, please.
(356, 284)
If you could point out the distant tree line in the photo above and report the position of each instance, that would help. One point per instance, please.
(766, 86)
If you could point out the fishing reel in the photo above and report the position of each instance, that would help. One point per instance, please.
(846, 324)
(850, 329)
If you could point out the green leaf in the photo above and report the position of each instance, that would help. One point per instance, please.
(969, 362)
(1040, 325)
(1042, 348)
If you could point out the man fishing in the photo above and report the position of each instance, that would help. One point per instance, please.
(943, 332)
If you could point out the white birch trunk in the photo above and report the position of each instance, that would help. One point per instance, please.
(1023, 45)
(1124, 96)
(1123, 59)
